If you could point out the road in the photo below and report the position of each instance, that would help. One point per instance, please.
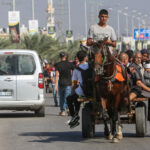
(23, 131)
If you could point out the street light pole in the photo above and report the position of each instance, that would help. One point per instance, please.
(139, 20)
(127, 32)
(127, 25)
(126, 14)
(133, 25)
(139, 26)
(110, 9)
(119, 11)
(14, 5)
(85, 13)
(51, 14)
(139, 23)
(133, 16)
(33, 9)
(144, 21)
(69, 15)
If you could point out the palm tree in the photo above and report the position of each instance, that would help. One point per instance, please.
(46, 46)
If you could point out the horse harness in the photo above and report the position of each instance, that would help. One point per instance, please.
(118, 75)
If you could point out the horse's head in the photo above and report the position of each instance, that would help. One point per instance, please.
(99, 53)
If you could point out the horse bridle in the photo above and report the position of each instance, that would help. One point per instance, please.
(104, 49)
(100, 69)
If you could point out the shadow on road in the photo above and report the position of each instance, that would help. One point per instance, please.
(48, 137)
(132, 135)
(16, 115)
(74, 136)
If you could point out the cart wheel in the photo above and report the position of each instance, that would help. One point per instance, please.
(140, 111)
(88, 130)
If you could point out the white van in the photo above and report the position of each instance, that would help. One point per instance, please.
(21, 81)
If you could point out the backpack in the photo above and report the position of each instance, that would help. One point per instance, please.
(87, 85)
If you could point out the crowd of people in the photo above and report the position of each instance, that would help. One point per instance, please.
(138, 67)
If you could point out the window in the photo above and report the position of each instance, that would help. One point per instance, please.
(26, 65)
(7, 65)
(17, 65)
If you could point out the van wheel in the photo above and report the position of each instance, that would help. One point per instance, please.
(40, 112)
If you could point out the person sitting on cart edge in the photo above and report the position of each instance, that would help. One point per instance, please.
(139, 88)
(147, 73)
(77, 91)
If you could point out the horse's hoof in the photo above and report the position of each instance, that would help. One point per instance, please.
(110, 137)
(120, 136)
(115, 140)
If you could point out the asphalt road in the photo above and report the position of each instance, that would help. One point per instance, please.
(23, 131)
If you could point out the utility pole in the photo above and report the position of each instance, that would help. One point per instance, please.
(14, 7)
(61, 12)
(119, 11)
(51, 30)
(127, 30)
(133, 17)
(85, 13)
(133, 25)
(69, 18)
(33, 9)
(50, 14)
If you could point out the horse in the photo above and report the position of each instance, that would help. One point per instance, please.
(110, 87)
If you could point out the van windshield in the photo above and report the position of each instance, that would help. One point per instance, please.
(17, 65)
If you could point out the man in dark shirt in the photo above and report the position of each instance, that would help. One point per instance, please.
(63, 81)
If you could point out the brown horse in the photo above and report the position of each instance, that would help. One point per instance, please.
(111, 86)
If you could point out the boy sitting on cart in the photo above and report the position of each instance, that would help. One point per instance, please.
(78, 90)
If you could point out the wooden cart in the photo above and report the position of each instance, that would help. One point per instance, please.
(92, 112)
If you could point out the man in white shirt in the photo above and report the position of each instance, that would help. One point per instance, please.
(98, 32)
(73, 104)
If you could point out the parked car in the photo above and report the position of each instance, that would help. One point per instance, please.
(21, 81)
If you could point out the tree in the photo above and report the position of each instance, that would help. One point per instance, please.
(46, 46)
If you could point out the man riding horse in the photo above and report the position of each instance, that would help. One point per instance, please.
(110, 76)
(98, 32)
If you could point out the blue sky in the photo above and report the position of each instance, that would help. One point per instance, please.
(77, 12)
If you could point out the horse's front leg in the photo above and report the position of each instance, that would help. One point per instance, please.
(106, 129)
(119, 128)
(105, 117)
(114, 118)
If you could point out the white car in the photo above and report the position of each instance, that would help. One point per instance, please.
(21, 81)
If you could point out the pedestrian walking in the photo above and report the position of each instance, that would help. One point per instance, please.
(63, 81)
(53, 86)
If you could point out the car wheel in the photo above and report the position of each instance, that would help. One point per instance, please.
(40, 112)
